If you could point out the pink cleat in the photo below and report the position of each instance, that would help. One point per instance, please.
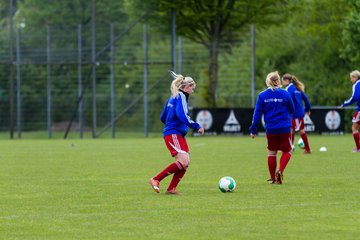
(155, 185)
(355, 150)
(172, 191)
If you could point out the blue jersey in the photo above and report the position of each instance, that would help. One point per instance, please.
(276, 105)
(176, 117)
(298, 97)
(355, 97)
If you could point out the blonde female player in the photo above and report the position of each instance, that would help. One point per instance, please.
(355, 97)
(276, 105)
(296, 90)
(176, 118)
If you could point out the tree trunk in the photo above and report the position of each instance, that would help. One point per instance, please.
(213, 67)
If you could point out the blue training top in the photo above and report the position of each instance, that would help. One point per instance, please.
(176, 117)
(298, 97)
(355, 97)
(276, 105)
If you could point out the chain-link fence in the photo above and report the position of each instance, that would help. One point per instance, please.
(62, 84)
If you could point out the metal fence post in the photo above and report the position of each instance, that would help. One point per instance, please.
(112, 82)
(49, 97)
(146, 130)
(11, 65)
(93, 66)
(18, 83)
(173, 39)
(180, 45)
(80, 84)
(253, 65)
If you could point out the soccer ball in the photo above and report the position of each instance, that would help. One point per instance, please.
(301, 144)
(227, 184)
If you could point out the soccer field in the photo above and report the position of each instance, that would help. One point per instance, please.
(98, 189)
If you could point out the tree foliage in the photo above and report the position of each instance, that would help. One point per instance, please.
(317, 40)
(351, 33)
(212, 23)
(309, 47)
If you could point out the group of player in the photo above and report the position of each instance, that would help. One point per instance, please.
(283, 112)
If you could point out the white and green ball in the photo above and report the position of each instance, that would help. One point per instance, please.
(301, 144)
(227, 184)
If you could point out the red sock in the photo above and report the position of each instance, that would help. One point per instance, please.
(293, 137)
(172, 168)
(306, 141)
(272, 166)
(176, 179)
(285, 157)
(356, 139)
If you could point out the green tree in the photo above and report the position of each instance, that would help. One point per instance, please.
(351, 33)
(212, 23)
(308, 45)
(66, 15)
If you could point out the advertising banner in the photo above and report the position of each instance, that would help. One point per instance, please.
(236, 121)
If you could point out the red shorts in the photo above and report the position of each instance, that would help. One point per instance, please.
(356, 117)
(297, 124)
(176, 144)
(280, 141)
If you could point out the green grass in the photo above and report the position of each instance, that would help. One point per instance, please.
(98, 189)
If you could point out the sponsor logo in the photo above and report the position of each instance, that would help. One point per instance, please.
(232, 124)
(273, 100)
(332, 120)
(205, 119)
(309, 125)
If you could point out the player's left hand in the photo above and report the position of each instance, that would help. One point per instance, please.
(201, 131)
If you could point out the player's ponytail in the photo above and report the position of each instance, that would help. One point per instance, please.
(179, 83)
(293, 79)
(273, 80)
(176, 84)
(299, 85)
